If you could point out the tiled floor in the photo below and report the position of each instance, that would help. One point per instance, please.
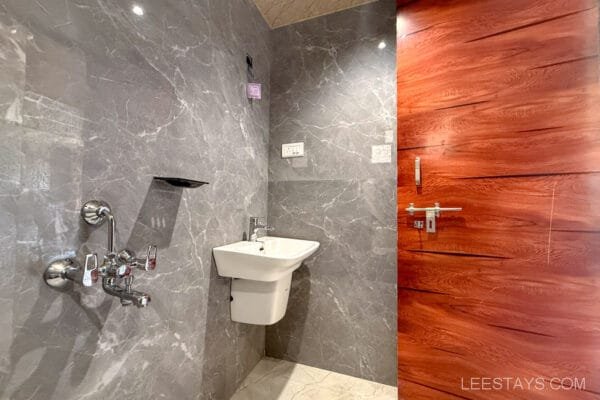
(275, 379)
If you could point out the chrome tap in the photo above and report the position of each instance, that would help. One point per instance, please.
(117, 275)
(116, 269)
(127, 295)
(255, 227)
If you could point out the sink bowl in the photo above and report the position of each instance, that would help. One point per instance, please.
(262, 275)
(268, 259)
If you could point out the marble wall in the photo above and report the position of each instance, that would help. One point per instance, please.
(333, 88)
(94, 102)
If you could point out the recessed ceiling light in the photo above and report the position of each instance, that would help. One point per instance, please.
(137, 10)
(381, 45)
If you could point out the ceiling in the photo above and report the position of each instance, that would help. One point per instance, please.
(279, 13)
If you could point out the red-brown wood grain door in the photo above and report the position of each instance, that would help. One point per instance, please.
(500, 100)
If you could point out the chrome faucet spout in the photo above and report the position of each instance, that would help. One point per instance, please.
(254, 227)
(126, 294)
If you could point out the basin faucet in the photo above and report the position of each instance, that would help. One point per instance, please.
(254, 227)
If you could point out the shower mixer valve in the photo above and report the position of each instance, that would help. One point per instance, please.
(116, 269)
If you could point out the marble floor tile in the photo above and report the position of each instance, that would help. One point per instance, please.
(274, 379)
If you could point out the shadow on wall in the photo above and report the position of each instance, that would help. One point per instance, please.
(157, 217)
(45, 343)
(289, 346)
(219, 377)
(52, 349)
(217, 320)
(54, 333)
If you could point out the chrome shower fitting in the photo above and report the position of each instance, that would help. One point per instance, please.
(116, 269)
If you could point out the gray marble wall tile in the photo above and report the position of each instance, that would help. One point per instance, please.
(94, 102)
(334, 89)
(10, 177)
(13, 41)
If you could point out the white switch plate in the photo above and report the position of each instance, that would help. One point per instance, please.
(381, 154)
(290, 150)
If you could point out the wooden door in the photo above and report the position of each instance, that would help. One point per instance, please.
(500, 100)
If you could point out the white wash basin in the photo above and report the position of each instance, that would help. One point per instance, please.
(262, 275)
(268, 259)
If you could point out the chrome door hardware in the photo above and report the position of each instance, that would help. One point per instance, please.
(418, 171)
(431, 213)
(116, 269)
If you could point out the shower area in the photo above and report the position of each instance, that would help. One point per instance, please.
(99, 99)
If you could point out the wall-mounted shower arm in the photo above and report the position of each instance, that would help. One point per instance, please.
(111, 228)
(96, 212)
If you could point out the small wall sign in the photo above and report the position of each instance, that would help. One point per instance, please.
(253, 91)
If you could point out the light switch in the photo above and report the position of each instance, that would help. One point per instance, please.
(381, 154)
(290, 150)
